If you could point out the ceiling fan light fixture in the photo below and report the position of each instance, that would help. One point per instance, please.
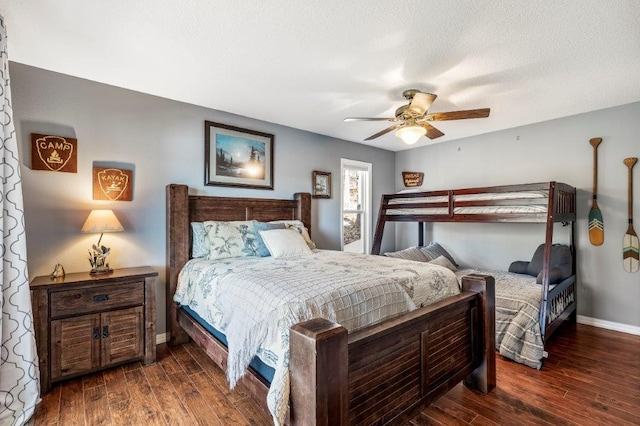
(411, 134)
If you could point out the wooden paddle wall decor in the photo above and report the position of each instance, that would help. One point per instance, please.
(596, 224)
(630, 246)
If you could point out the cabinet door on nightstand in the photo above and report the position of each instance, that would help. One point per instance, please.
(75, 345)
(122, 335)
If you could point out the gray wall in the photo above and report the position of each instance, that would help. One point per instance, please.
(554, 150)
(163, 142)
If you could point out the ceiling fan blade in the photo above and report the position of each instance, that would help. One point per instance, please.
(432, 132)
(458, 115)
(369, 119)
(382, 132)
(421, 103)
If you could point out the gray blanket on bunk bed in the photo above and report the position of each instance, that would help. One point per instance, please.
(518, 334)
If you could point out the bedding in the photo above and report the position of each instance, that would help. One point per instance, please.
(484, 196)
(262, 250)
(285, 243)
(518, 335)
(424, 254)
(469, 210)
(255, 300)
(502, 197)
(230, 239)
(299, 226)
(444, 261)
(199, 242)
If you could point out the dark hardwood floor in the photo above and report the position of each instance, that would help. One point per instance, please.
(592, 377)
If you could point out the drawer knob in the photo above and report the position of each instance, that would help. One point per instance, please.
(105, 331)
(96, 333)
(100, 297)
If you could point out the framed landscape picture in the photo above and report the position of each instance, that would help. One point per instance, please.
(237, 157)
(321, 184)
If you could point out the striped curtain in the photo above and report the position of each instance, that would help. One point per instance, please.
(19, 373)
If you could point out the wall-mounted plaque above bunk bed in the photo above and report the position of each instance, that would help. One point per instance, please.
(546, 203)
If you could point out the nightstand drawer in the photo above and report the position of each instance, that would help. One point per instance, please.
(96, 298)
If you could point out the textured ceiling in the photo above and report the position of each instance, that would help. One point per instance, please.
(309, 64)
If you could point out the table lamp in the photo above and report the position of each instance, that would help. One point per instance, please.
(100, 221)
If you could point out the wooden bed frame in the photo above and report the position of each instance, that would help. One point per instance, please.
(378, 375)
(560, 208)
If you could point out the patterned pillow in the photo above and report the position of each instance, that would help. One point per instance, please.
(435, 250)
(299, 226)
(199, 242)
(263, 251)
(231, 239)
(411, 253)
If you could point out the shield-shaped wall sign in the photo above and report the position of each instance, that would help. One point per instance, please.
(54, 153)
(112, 184)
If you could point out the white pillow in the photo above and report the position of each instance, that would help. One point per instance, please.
(443, 261)
(285, 243)
(296, 224)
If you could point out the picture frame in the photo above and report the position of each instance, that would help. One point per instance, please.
(237, 157)
(321, 184)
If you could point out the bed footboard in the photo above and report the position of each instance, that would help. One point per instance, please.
(381, 374)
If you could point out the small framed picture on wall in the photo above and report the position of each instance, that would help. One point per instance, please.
(321, 184)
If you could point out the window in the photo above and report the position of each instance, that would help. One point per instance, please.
(356, 206)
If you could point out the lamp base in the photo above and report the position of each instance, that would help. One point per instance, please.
(103, 270)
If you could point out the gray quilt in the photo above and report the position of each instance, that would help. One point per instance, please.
(518, 298)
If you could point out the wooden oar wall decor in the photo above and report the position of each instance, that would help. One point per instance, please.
(596, 224)
(630, 246)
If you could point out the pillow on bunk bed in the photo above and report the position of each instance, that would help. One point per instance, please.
(411, 253)
(559, 265)
(443, 261)
(435, 250)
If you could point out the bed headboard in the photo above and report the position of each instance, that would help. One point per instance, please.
(182, 209)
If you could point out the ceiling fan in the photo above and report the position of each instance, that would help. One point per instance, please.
(412, 120)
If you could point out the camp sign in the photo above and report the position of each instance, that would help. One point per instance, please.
(54, 153)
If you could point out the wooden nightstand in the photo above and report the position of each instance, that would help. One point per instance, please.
(85, 323)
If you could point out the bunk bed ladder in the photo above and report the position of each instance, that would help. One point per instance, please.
(382, 220)
(547, 259)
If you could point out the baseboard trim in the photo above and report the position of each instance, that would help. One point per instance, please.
(162, 338)
(609, 325)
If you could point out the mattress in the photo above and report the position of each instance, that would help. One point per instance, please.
(265, 371)
(510, 203)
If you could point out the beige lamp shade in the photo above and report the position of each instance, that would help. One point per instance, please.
(100, 221)
(411, 134)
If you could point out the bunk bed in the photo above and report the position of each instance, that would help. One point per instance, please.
(376, 375)
(546, 203)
